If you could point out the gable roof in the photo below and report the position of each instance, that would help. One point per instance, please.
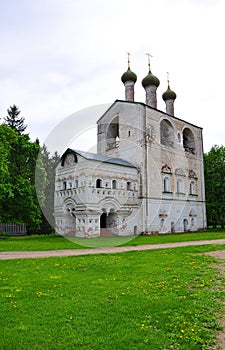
(99, 158)
(149, 107)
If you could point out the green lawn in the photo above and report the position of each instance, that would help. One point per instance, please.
(154, 300)
(49, 242)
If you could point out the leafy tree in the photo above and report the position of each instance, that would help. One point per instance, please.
(47, 206)
(14, 121)
(214, 163)
(6, 137)
(18, 200)
(23, 207)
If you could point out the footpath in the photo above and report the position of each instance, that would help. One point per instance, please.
(109, 250)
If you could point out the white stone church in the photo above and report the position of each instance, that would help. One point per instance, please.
(146, 178)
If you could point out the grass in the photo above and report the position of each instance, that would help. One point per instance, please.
(155, 300)
(52, 242)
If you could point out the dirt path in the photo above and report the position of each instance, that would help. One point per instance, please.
(78, 252)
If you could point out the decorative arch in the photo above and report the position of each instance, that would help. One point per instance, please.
(192, 174)
(69, 206)
(179, 172)
(166, 169)
(109, 204)
(166, 133)
(188, 140)
(68, 158)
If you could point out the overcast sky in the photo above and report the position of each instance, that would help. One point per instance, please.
(60, 56)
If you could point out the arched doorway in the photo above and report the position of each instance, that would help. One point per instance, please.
(103, 220)
(108, 224)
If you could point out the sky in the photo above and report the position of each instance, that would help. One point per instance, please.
(59, 58)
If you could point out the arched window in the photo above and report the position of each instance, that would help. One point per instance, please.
(128, 185)
(192, 187)
(179, 186)
(98, 183)
(113, 134)
(76, 183)
(188, 141)
(166, 133)
(166, 184)
(64, 185)
(114, 184)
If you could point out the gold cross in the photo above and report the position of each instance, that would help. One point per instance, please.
(168, 78)
(128, 56)
(149, 55)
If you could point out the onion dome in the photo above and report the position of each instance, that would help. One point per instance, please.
(150, 80)
(129, 76)
(169, 94)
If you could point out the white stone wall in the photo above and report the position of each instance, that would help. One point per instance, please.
(141, 142)
(164, 193)
(93, 188)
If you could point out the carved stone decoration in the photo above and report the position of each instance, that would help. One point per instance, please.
(192, 213)
(192, 174)
(69, 160)
(163, 214)
(180, 172)
(166, 169)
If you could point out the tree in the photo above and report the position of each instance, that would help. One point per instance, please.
(6, 190)
(14, 121)
(47, 206)
(18, 157)
(214, 163)
(23, 206)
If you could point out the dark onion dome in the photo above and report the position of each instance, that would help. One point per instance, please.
(169, 94)
(129, 76)
(150, 80)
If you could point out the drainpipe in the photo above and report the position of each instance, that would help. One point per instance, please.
(146, 174)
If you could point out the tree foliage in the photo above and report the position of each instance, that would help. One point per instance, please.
(27, 177)
(14, 121)
(47, 190)
(214, 163)
(6, 190)
(18, 157)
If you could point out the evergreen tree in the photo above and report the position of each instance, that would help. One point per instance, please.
(14, 121)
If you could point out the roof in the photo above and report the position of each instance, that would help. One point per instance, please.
(100, 158)
(149, 107)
